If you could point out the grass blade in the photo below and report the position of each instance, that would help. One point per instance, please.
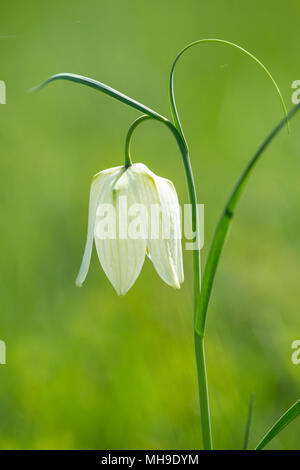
(227, 43)
(285, 419)
(249, 421)
(224, 223)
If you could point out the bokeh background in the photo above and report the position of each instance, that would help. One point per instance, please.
(87, 369)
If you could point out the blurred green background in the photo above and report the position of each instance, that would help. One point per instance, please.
(87, 369)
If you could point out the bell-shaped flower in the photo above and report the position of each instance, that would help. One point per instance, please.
(132, 212)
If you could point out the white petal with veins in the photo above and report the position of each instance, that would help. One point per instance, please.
(165, 250)
(121, 258)
(95, 193)
(121, 250)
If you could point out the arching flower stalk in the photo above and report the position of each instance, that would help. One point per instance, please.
(122, 259)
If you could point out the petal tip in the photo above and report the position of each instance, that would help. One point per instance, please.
(119, 292)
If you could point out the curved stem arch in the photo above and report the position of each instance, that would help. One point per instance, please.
(220, 41)
(134, 125)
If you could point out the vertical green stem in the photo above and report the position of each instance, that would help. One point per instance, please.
(198, 338)
(203, 392)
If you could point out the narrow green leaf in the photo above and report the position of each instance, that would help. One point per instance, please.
(227, 43)
(105, 89)
(285, 419)
(249, 421)
(224, 223)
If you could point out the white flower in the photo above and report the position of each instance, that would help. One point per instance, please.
(155, 232)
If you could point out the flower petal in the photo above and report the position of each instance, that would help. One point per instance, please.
(164, 232)
(121, 256)
(95, 192)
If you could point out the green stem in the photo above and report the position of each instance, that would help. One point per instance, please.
(139, 120)
(203, 392)
(198, 339)
(193, 199)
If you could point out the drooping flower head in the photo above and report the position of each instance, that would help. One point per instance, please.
(133, 212)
